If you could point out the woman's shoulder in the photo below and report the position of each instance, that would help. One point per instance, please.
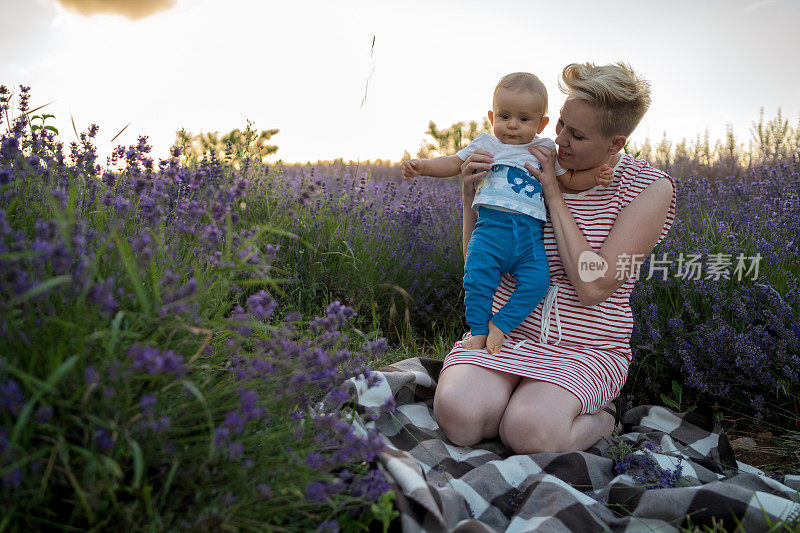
(639, 172)
(637, 175)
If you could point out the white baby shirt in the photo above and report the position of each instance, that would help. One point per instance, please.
(509, 185)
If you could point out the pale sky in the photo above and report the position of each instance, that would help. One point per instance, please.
(302, 66)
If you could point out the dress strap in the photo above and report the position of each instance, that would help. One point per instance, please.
(550, 304)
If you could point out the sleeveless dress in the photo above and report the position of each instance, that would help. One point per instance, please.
(584, 350)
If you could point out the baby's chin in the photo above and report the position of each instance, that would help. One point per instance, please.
(515, 139)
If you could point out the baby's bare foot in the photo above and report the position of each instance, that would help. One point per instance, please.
(494, 341)
(476, 342)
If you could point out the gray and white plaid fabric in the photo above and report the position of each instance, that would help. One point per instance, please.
(484, 488)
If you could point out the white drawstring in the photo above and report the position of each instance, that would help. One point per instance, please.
(550, 302)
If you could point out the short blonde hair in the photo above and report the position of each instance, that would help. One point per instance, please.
(523, 81)
(619, 95)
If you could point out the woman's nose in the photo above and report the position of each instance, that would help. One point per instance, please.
(561, 139)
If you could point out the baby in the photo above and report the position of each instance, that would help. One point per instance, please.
(508, 236)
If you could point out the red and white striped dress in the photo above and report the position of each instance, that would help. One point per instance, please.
(585, 350)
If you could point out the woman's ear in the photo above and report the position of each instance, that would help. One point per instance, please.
(617, 144)
(542, 123)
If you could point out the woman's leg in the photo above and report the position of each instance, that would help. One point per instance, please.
(469, 402)
(542, 417)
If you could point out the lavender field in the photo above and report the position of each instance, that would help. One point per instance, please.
(175, 336)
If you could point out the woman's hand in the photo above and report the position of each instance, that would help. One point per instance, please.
(546, 176)
(473, 169)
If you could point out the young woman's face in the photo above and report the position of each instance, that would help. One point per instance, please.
(580, 144)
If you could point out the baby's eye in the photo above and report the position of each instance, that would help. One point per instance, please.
(503, 116)
(524, 119)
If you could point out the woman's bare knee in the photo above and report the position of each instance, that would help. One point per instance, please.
(539, 418)
(464, 420)
(470, 401)
(529, 433)
(461, 427)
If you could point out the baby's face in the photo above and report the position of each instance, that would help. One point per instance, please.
(517, 116)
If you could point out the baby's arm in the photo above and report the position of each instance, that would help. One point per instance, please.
(580, 180)
(437, 167)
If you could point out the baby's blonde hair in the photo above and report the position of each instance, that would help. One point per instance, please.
(523, 81)
(619, 95)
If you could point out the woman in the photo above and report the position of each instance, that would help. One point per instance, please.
(550, 388)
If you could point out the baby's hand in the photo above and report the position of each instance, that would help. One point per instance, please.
(605, 176)
(412, 168)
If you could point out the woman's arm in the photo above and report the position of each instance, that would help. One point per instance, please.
(631, 239)
(473, 169)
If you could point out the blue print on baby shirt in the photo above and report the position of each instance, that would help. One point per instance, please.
(520, 180)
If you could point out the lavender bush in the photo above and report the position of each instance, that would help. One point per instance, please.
(390, 248)
(149, 378)
(156, 372)
(726, 340)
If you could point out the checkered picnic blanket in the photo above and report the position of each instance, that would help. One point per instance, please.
(484, 488)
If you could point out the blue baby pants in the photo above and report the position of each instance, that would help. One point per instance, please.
(504, 242)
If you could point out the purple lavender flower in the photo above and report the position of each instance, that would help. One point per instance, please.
(647, 445)
(331, 526)
(239, 315)
(336, 315)
(91, 376)
(646, 471)
(161, 425)
(371, 486)
(265, 490)
(234, 422)
(376, 348)
(389, 405)
(315, 461)
(235, 450)
(338, 395)
(222, 436)
(150, 360)
(13, 479)
(102, 439)
(261, 305)
(11, 397)
(250, 409)
(148, 404)
(317, 492)
(143, 246)
(43, 414)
